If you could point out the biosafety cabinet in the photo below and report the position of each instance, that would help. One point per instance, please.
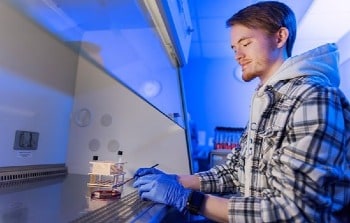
(80, 81)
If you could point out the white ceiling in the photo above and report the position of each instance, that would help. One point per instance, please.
(320, 21)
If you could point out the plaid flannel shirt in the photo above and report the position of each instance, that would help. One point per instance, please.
(299, 165)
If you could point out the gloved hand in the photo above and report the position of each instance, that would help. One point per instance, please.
(145, 171)
(163, 188)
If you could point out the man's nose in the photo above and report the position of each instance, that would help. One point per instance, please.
(238, 56)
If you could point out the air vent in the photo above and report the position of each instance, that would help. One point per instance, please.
(20, 174)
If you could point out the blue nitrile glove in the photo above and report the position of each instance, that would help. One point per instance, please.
(145, 171)
(163, 188)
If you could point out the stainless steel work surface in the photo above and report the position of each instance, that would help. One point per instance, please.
(67, 199)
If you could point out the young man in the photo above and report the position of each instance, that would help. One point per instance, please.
(294, 160)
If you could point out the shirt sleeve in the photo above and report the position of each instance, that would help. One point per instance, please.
(222, 178)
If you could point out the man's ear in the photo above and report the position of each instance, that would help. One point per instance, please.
(282, 36)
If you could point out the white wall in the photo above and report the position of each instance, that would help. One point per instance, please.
(215, 97)
(120, 120)
(344, 59)
(37, 79)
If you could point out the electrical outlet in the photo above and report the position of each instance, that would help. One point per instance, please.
(25, 140)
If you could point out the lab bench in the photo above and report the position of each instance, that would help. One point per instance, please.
(67, 198)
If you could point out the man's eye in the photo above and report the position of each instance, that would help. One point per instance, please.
(246, 44)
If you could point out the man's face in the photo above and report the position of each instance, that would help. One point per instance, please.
(255, 51)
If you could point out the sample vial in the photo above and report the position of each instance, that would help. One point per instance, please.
(120, 161)
(119, 175)
(92, 175)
